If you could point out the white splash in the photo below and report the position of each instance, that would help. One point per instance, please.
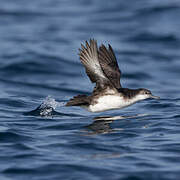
(49, 102)
(48, 106)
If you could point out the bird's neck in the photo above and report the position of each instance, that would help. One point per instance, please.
(129, 93)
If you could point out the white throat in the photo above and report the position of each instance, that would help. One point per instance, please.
(139, 97)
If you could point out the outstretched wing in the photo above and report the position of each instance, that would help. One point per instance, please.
(109, 65)
(89, 58)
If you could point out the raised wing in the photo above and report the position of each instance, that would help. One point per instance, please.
(109, 65)
(89, 58)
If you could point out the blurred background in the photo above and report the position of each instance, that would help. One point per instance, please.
(39, 41)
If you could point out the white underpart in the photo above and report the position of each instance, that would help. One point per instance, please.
(109, 102)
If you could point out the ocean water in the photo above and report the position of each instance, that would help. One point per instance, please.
(40, 139)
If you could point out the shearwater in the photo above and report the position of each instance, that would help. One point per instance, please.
(102, 68)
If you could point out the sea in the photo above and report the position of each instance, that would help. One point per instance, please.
(40, 70)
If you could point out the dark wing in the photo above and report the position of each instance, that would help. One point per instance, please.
(109, 65)
(89, 58)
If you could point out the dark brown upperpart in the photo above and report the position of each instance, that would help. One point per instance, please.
(129, 93)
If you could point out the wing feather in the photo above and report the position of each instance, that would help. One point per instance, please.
(100, 64)
(109, 65)
(89, 58)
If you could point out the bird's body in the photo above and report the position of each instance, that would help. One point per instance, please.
(108, 102)
(102, 68)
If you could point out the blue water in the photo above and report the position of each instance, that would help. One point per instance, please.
(40, 139)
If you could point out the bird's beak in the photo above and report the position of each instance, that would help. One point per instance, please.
(155, 97)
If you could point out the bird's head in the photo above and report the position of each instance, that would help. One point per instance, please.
(145, 94)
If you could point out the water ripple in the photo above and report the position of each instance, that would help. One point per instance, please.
(41, 138)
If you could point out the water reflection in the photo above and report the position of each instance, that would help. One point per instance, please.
(100, 127)
(102, 124)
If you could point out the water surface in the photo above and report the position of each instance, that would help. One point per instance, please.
(38, 58)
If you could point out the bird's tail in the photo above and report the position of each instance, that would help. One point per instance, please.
(79, 100)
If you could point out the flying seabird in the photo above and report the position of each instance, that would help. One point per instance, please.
(102, 68)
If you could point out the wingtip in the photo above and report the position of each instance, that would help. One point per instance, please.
(102, 47)
(92, 40)
(87, 44)
(110, 47)
(82, 46)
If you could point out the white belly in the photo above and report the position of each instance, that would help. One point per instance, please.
(108, 102)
